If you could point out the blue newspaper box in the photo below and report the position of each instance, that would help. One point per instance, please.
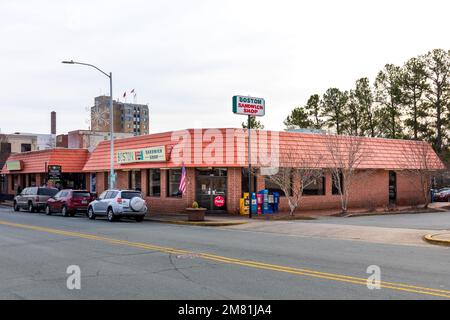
(276, 201)
(254, 204)
(266, 207)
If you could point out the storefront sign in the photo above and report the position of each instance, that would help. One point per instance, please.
(219, 201)
(54, 172)
(14, 165)
(249, 106)
(153, 154)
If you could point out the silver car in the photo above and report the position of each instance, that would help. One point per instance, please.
(115, 204)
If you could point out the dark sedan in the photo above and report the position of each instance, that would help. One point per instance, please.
(443, 195)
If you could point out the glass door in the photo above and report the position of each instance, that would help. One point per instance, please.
(211, 189)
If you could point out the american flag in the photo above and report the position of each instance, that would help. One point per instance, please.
(182, 186)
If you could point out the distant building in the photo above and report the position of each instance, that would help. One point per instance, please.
(127, 117)
(62, 141)
(88, 139)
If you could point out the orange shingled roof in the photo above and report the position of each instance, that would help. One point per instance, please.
(293, 147)
(71, 160)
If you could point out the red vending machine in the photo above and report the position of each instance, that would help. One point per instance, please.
(260, 202)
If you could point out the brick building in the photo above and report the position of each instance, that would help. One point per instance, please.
(216, 166)
(127, 117)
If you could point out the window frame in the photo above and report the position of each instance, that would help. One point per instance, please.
(149, 181)
(168, 184)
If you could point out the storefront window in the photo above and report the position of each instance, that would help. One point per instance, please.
(315, 187)
(336, 182)
(273, 187)
(173, 182)
(154, 183)
(106, 180)
(93, 183)
(32, 180)
(134, 180)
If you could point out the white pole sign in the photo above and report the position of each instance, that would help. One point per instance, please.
(249, 106)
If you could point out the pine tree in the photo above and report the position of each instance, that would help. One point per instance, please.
(414, 85)
(297, 119)
(389, 97)
(438, 94)
(254, 124)
(334, 108)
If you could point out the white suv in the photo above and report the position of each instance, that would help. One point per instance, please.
(115, 204)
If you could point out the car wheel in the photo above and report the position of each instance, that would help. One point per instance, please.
(139, 218)
(64, 211)
(48, 211)
(16, 206)
(91, 214)
(30, 207)
(110, 215)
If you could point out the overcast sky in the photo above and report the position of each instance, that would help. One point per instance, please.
(186, 59)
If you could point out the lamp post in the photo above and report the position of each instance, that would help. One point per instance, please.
(112, 177)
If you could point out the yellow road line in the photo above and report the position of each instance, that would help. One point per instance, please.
(247, 263)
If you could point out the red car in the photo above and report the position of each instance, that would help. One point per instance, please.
(68, 202)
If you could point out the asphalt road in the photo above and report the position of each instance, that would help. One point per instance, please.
(149, 260)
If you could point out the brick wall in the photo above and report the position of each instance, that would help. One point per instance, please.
(409, 191)
(369, 189)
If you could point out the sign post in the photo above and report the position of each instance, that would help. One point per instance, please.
(252, 107)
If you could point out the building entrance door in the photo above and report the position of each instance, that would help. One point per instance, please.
(211, 189)
(392, 187)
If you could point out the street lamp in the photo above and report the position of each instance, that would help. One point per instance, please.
(112, 177)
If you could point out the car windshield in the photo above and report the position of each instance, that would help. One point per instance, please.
(47, 192)
(81, 194)
(130, 194)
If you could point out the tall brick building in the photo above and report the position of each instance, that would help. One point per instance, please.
(127, 117)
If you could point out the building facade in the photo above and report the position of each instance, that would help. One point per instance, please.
(215, 162)
(127, 117)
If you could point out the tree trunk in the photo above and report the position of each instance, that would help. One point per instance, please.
(292, 208)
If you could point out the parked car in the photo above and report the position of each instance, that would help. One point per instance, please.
(68, 202)
(33, 198)
(115, 204)
(443, 195)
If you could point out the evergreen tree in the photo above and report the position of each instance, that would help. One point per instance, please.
(314, 112)
(254, 124)
(438, 94)
(334, 108)
(298, 119)
(414, 84)
(389, 97)
(364, 97)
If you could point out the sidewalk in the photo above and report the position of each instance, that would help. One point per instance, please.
(396, 236)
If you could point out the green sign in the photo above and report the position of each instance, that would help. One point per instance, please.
(153, 154)
(249, 106)
(14, 165)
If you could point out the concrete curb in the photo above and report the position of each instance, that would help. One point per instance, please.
(433, 239)
(199, 223)
(369, 214)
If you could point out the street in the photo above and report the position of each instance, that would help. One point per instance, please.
(150, 260)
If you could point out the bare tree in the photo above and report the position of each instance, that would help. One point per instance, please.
(422, 164)
(297, 171)
(345, 155)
